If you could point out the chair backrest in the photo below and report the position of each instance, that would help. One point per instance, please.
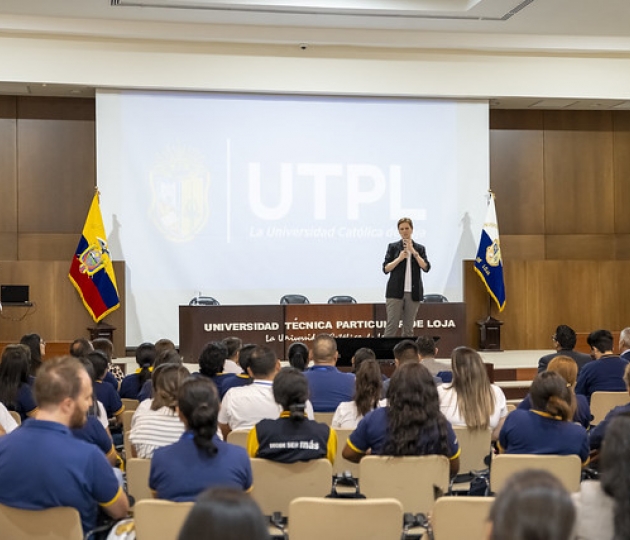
(603, 402)
(294, 299)
(238, 437)
(126, 420)
(16, 416)
(566, 468)
(130, 404)
(475, 447)
(138, 470)
(160, 519)
(342, 300)
(277, 484)
(341, 464)
(324, 417)
(350, 519)
(510, 407)
(434, 298)
(461, 518)
(51, 524)
(204, 301)
(410, 479)
(127, 445)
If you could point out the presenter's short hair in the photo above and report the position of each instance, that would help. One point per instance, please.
(405, 220)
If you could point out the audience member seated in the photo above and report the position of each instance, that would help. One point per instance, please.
(567, 368)
(564, 341)
(7, 422)
(533, 505)
(624, 344)
(406, 352)
(224, 514)
(242, 379)
(244, 407)
(105, 393)
(292, 437)
(471, 400)
(598, 433)
(37, 346)
(106, 346)
(160, 425)
(605, 373)
(547, 427)
(132, 384)
(211, 362)
(15, 392)
(298, 356)
(367, 396)
(45, 466)
(80, 348)
(328, 386)
(166, 356)
(199, 460)
(603, 507)
(410, 425)
(428, 351)
(233, 346)
(164, 344)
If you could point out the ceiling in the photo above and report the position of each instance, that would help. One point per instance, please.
(561, 27)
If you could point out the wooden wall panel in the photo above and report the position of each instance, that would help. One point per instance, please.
(523, 246)
(8, 167)
(578, 169)
(49, 247)
(580, 246)
(621, 156)
(622, 249)
(516, 171)
(56, 162)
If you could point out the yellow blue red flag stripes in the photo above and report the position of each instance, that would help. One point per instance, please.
(488, 263)
(91, 271)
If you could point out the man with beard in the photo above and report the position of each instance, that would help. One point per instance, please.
(43, 466)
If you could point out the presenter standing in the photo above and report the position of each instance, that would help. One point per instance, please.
(403, 261)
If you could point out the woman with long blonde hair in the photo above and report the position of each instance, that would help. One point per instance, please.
(471, 400)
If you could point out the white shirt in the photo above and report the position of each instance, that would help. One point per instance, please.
(449, 408)
(7, 422)
(230, 366)
(407, 287)
(102, 415)
(347, 416)
(154, 429)
(244, 406)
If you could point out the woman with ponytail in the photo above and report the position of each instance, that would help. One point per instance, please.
(547, 428)
(298, 356)
(199, 460)
(292, 437)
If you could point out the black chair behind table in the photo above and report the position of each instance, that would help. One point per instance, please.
(434, 298)
(294, 299)
(204, 301)
(341, 300)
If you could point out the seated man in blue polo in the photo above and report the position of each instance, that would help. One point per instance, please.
(43, 466)
(605, 374)
(328, 386)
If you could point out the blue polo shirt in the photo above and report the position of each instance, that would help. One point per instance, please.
(603, 375)
(536, 432)
(328, 387)
(582, 414)
(146, 392)
(181, 471)
(238, 380)
(110, 399)
(599, 431)
(94, 433)
(43, 466)
(24, 404)
(372, 434)
(109, 378)
(130, 386)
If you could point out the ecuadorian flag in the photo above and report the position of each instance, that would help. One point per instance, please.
(488, 263)
(91, 271)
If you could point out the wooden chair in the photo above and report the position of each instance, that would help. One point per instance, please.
(130, 404)
(460, 518)
(475, 447)
(16, 416)
(277, 484)
(350, 519)
(126, 420)
(603, 402)
(511, 407)
(324, 417)
(410, 479)
(341, 464)
(52, 524)
(160, 519)
(238, 437)
(566, 468)
(127, 445)
(138, 478)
